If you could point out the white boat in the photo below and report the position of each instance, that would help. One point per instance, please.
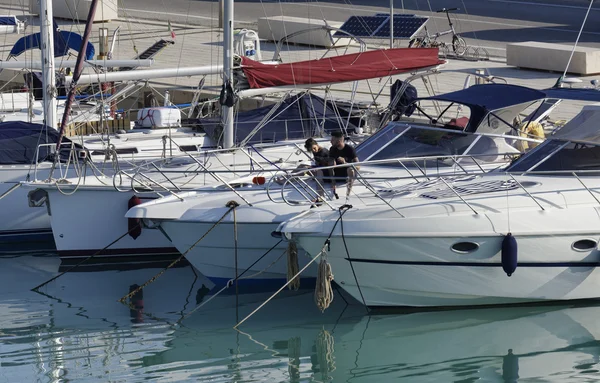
(23, 228)
(23, 225)
(105, 205)
(526, 234)
(367, 65)
(185, 218)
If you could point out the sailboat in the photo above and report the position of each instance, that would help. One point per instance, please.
(104, 195)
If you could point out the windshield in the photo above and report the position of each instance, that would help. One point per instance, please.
(556, 155)
(402, 141)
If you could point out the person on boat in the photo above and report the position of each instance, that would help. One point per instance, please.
(321, 158)
(320, 154)
(342, 153)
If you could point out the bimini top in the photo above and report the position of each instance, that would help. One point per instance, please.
(19, 142)
(485, 98)
(343, 68)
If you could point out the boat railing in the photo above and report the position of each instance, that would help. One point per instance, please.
(449, 181)
(75, 160)
(413, 173)
(160, 176)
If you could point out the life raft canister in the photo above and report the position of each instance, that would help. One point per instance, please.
(134, 225)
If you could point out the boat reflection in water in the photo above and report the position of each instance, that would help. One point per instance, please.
(77, 330)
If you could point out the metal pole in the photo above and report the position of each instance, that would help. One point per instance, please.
(391, 24)
(227, 115)
(48, 76)
(77, 71)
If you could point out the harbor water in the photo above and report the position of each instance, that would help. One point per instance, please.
(74, 329)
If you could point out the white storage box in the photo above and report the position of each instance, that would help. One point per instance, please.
(160, 117)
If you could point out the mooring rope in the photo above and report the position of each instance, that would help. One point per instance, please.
(343, 209)
(228, 284)
(231, 205)
(87, 259)
(323, 290)
(350, 260)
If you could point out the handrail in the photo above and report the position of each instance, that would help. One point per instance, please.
(447, 178)
(364, 180)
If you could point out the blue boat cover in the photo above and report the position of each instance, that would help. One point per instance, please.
(63, 41)
(484, 98)
(8, 20)
(580, 94)
(19, 142)
(297, 117)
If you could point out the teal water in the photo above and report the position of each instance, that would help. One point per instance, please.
(75, 330)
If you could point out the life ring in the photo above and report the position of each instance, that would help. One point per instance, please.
(530, 129)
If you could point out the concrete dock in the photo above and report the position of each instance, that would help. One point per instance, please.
(197, 45)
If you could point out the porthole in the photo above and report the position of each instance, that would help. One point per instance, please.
(584, 245)
(465, 247)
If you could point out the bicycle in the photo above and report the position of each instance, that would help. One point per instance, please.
(459, 46)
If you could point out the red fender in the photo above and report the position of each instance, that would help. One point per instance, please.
(134, 225)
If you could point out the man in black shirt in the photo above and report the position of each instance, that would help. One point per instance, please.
(342, 154)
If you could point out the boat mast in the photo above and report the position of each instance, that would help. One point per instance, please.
(391, 24)
(77, 70)
(227, 112)
(48, 76)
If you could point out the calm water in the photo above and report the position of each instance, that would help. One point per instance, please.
(76, 331)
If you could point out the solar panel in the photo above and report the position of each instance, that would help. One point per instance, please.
(378, 26)
(361, 26)
(404, 27)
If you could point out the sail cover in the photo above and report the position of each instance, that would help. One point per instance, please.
(20, 140)
(350, 67)
(63, 41)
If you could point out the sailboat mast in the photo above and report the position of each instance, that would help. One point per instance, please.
(391, 24)
(77, 71)
(48, 76)
(227, 111)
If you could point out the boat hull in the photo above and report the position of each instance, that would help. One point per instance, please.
(260, 257)
(22, 228)
(459, 261)
(85, 223)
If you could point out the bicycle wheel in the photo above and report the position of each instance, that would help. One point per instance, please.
(459, 45)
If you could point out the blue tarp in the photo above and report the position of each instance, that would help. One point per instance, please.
(297, 117)
(581, 94)
(19, 142)
(483, 98)
(63, 41)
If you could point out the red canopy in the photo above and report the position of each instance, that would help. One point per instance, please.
(351, 67)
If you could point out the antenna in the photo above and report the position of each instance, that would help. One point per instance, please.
(560, 79)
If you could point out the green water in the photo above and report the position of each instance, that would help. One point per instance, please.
(75, 330)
